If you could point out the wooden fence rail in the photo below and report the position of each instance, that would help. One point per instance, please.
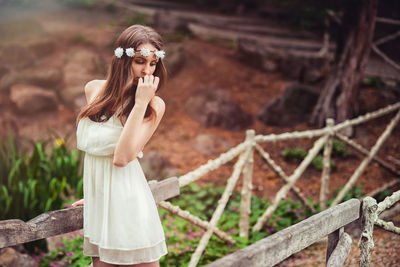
(277, 247)
(13, 232)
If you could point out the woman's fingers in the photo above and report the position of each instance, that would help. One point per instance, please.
(156, 81)
(78, 203)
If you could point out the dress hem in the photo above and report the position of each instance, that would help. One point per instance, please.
(123, 249)
(104, 257)
(136, 262)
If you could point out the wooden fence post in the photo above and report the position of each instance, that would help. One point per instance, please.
(333, 239)
(368, 218)
(341, 252)
(326, 165)
(245, 202)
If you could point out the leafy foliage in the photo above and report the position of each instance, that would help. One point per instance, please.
(68, 253)
(354, 192)
(382, 195)
(374, 82)
(339, 149)
(39, 181)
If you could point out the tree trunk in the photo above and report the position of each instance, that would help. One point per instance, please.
(339, 97)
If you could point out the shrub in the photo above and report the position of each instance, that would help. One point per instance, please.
(39, 181)
(298, 154)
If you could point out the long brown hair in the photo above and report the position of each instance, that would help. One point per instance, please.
(119, 89)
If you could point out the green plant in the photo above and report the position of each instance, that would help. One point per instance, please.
(68, 253)
(354, 192)
(382, 195)
(294, 154)
(318, 163)
(39, 181)
(299, 154)
(339, 149)
(375, 82)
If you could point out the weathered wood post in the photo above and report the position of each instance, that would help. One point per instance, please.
(338, 249)
(245, 202)
(368, 218)
(326, 165)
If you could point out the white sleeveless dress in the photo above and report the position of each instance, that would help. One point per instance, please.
(121, 220)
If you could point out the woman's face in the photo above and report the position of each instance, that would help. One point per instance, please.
(144, 65)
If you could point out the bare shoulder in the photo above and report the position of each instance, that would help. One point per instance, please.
(159, 105)
(92, 88)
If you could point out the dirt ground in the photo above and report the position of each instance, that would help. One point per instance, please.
(215, 63)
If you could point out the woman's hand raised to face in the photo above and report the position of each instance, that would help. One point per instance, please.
(146, 89)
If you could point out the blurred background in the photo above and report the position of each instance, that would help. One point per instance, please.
(268, 65)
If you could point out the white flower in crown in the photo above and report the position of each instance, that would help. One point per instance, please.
(145, 52)
(118, 52)
(160, 53)
(130, 52)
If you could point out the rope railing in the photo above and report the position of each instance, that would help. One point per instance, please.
(245, 151)
(367, 160)
(213, 164)
(338, 127)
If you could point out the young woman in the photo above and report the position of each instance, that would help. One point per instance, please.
(121, 220)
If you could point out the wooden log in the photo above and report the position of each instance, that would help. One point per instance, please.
(220, 208)
(357, 173)
(380, 189)
(367, 117)
(277, 247)
(296, 46)
(368, 218)
(390, 213)
(341, 252)
(326, 166)
(186, 215)
(365, 152)
(280, 173)
(292, 179)
(13, 232)
(387, 20)
(212, 164)
(388, 226)
(388, 202)
(333, 239)
(245, 201)
(338, 127)
(164, 189)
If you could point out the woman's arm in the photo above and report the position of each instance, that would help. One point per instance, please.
(137, 131)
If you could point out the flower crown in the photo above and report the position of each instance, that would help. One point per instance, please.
(130, 52)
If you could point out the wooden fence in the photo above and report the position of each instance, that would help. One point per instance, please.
(52, 223)
(13, 232)
(277, 247)
(244, 165)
